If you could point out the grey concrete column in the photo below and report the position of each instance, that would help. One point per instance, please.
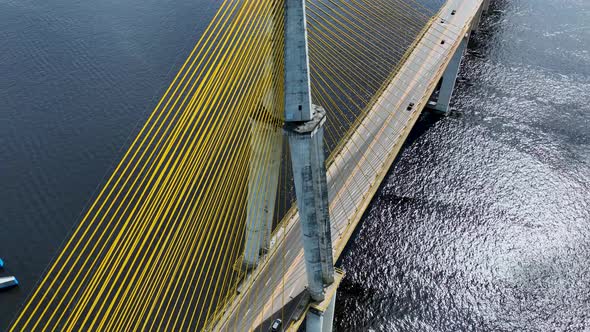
(265, 154)
(303, 124)
(297, 86)
(320, 315)
(273, 170)
(450, 77)
(271, 104)
(323, 213)
(305, 148)
(321, 321)
(314, 321)
(329, 315)
(265, 157)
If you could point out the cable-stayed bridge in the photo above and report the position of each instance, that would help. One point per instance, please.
(241, 190)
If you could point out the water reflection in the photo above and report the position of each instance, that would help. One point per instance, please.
(483, 224)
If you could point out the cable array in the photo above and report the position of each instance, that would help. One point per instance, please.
(161, 246)
(155, 249)
(356, 48)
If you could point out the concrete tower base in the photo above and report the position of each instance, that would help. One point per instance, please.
(309, 173)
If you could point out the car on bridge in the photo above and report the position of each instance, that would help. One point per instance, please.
(276, 325)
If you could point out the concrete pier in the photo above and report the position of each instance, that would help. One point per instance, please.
(449, 78)
(314, 321)
(318, 321)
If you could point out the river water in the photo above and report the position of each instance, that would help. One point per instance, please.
(483, 223)
(75, 78)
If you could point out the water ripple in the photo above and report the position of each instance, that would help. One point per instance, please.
(483, 224)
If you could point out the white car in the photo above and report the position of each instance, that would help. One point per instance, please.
(276, 325)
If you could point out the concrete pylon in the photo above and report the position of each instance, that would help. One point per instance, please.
(297, 83)
(329, 315)
(265, 158)
(326, 252)
(321, 321)
(263, 181)
(304, 127)
(307, 157)
(273, 171)
(314, 321)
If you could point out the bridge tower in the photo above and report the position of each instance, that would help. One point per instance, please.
(304, 128)
(265, 159)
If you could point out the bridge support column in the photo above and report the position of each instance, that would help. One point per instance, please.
(450, 77)
(321, 321)
(309, 173)
(476, 19)
(314, 321)
(486, 6)
(320, 317)
(304, 127)
(329, 315)
(265, 158)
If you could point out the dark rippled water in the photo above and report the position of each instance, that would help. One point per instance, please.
(483, 223)
(75, 78)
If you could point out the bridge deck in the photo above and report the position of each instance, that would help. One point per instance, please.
(356, 172)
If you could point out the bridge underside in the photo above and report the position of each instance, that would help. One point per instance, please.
(370, 150)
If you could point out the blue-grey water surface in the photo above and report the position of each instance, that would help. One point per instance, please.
(483, 224)
(76, 78)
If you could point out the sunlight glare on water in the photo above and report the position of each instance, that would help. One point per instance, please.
(483, 223)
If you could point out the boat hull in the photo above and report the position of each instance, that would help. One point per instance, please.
(8, 282)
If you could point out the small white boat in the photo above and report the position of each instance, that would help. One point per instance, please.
(7, 282)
